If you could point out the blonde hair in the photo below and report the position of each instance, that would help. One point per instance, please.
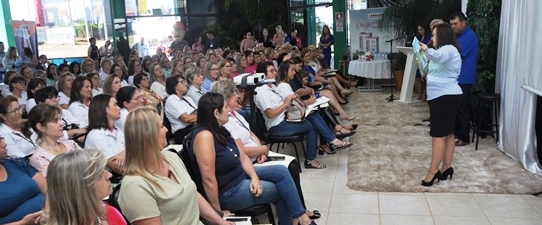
(71, 181)
(142, 144)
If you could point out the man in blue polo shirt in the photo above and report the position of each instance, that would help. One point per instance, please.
(468, 45)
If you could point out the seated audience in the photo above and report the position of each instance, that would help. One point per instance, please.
(34, 85)
(128, 99)
(158, 178)
(158, 81)
(103, 135)
(70, 124)
(47, 122)
(17, 87)
(64, 86)
(7, 77)
(95, 79)
(211, 75)
(195, 80)
(237, 184)
(141, 81)
(273, 102)
(180, 109)
(83, 173)
(23, 190)
(17, 137)
(80, 96)
(112, 85)
(248, 142)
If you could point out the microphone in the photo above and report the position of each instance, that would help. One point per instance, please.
(398, 38)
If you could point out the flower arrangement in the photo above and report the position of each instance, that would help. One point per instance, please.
(369, 56)
(359, 54)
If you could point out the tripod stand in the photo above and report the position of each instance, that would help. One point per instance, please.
(391, 98)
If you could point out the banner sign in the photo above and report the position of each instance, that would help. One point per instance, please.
(25, 36)
(365, 35)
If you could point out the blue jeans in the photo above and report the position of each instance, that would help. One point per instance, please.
(313, 125)
(278, 187)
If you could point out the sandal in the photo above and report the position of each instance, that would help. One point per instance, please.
(308, 165)
(336, 147)
(347, 118)
(315, 215)
(322, 150)
(341, 135)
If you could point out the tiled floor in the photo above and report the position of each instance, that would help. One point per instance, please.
(326, 191)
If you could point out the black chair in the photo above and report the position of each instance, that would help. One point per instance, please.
(189, 159)
(261, 131)
(113, 200)
(481, 126)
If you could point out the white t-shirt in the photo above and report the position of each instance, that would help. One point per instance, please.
(30, 104)
(64, 99)
(269, 98)
(109, 142)
(80, 112)
(97, 92)
(159, 89)
(175, 107)
(17, 144)
(120, 122)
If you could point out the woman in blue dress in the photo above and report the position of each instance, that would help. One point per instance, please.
(326, 40)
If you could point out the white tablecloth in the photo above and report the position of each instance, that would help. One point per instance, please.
(370, 69)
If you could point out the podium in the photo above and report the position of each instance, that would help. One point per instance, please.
(410, 75)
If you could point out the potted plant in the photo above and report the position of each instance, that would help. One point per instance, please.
(398, 63)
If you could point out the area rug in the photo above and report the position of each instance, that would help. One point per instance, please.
(393, 151)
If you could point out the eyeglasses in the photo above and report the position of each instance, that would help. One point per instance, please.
(215, 69)
(22, 82)
(272, 71)
(19, 109)
(54, 98)
(182, 82)
(90, 64)
(227, 66)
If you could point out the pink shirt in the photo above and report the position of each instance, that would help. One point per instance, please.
(41, 158)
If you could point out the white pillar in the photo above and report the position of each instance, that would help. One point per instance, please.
(464, 6)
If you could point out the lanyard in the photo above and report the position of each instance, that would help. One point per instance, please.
(25, 138)
(239, 121)
(274, 91)
(188, 102)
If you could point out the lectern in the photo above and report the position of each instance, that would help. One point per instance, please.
(410, 75)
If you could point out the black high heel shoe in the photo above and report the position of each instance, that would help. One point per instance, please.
(444, 175)
(430, 183)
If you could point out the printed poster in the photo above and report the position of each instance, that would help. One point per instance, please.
(365, 35)
(339, 22)
(25, 36)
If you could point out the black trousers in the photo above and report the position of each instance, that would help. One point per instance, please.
(294, 172)
(464, 114)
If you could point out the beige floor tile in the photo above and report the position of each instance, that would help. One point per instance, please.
(342, 170)
(444, 220)
(354, 203)
(515, 221)
(319, 201)
(403, 205)
(330, 171)
(317, 184)
(405, 220)
(444, 204)
(343, 157)
(340, 187)
(346, 219)
(535, 202)
(505, 206)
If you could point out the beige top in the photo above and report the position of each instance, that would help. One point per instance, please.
(177, 204)
(41, 158)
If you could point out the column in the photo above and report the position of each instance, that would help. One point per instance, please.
(6, 30)
(340, 40)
